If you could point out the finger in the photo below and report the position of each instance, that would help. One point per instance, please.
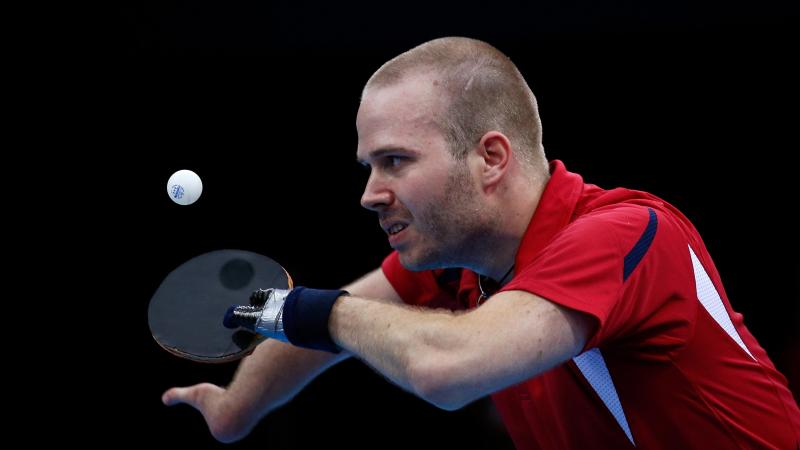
(177, 396)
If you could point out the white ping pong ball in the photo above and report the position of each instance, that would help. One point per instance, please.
(184, 187)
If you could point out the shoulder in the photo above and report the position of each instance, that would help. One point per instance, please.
(612, 228)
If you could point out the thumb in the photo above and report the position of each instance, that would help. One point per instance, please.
(191, 395)
(175, 396)
(196, 396)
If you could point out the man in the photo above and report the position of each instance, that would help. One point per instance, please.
(594, 318)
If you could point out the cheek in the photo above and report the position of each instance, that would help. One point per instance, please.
(422, 194)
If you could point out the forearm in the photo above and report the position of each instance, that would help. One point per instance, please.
(396, 340)
(272, 375)
(450, 359)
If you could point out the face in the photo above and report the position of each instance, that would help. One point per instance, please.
(427, 202)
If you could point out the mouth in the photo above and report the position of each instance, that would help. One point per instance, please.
(395, 228)
(395, 231)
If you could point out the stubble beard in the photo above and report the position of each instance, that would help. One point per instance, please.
(454, 227)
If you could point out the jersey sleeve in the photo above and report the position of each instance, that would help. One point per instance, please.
(608, 264)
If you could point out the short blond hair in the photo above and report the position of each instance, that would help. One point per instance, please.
(485, 91)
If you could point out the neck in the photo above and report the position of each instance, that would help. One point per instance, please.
(520, 202)
(493, 288)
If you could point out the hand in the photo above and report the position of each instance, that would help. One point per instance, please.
(211, 400)
(263, 316)
(298, 316)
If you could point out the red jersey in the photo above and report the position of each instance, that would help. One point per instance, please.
(670, 363)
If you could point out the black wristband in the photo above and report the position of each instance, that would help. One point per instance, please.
(305, 318)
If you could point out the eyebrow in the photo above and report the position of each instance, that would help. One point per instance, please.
(374, 154)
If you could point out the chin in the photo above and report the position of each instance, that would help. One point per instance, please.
(418, 263)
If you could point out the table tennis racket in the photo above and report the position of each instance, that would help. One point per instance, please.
(187, 310)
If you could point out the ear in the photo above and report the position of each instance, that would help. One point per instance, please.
(494, 156)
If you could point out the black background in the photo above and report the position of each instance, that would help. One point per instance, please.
(696, 103)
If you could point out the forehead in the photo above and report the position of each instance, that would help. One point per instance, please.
(402, 114)
(413, 94)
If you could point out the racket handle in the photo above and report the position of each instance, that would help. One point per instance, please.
(242, 316)
(263, 316)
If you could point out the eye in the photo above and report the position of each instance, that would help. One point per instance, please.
(394, 161)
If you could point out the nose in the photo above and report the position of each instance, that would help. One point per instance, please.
(377, 194)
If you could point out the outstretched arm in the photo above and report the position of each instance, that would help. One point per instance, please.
(451, 359)
(271, 376)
